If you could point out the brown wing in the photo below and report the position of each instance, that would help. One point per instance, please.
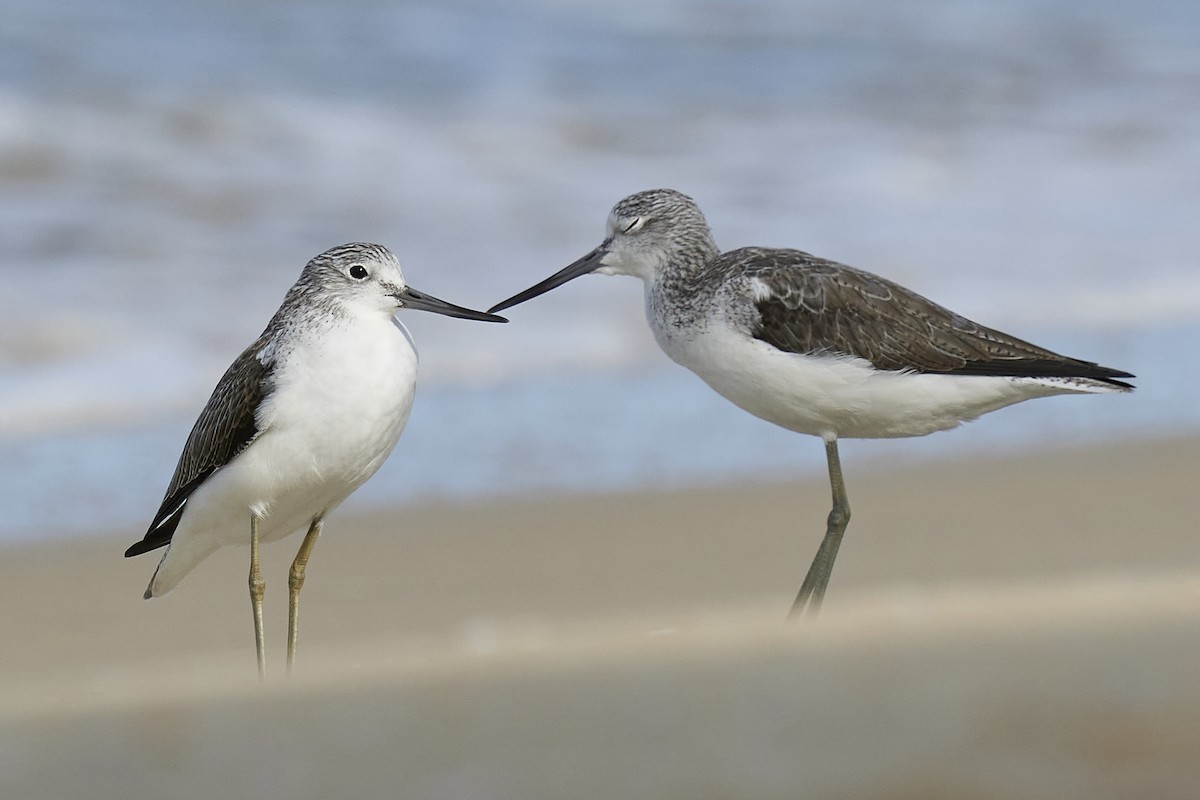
(225, 427)
(816, 306)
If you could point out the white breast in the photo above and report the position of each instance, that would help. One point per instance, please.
(341, 400)
(340, 403)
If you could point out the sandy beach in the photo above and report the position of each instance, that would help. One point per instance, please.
(1010, 627)
(517, 606)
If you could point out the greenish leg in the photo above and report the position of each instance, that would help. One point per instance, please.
(812, 591)
(295, 582)
(257, 588)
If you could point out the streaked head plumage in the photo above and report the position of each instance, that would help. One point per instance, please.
(357, 273)
(364, 276)
(650, 234)
(652, 228)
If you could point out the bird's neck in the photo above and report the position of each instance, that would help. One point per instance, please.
(678, 298)
(681, 274)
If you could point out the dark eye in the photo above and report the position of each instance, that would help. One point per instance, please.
(358, 272)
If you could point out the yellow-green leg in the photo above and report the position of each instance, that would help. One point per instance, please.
(812, 591)
(295, 582)
(257, 588)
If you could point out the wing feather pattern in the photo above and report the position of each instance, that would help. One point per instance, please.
(226, 426)
(811, 305)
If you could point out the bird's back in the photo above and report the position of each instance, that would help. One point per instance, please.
(800, 303)
(823, 348)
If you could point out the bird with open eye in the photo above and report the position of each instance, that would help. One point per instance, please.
(301, 419)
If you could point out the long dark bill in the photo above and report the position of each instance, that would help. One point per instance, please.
(583, 266)
(411, 298)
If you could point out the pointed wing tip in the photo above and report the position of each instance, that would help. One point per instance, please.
(137, 548)
(1111, 377)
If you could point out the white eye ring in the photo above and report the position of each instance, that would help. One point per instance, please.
(635, 225)
(358, 272)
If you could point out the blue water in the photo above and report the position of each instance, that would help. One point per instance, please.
(166, 170)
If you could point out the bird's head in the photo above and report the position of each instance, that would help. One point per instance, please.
(361, 275)
(645, 233)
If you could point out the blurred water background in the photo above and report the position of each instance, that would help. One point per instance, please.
(167, 169)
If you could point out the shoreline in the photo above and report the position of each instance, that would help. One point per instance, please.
(560, 560)
(1020, 625)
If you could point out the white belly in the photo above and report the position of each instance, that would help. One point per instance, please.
(338, 409)
(841, 397)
